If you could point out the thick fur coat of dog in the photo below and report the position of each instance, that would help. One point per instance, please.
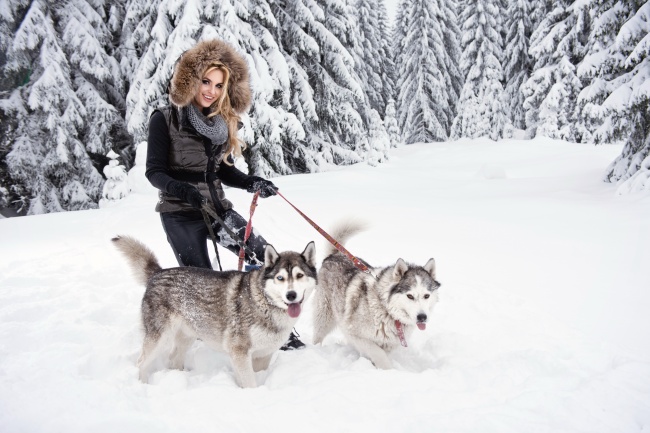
(248, 315)
(376, 312)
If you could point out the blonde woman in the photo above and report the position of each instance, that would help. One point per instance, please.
(191, 148)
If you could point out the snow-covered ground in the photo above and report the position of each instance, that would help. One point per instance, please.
(543, 323)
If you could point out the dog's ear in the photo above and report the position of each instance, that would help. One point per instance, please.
(310, 253)
(430, 267)
(400, 269)
(270, 256)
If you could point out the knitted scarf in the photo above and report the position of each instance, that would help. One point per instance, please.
(214, 128)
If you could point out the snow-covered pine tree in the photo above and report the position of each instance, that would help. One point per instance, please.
(292, 19)
(372, 55)
(454, 77)
(10, 79)
(390, 124)
(116, 186)
(551, 92)
(379, 139)
(517, 62)
(341, 103)
(601, 65)
(427, 72)
(273, 130)
(97, 79)
(540, 9)
(596, 68)
(387, 62)
(155, 34)
(347, 29)
(503, 6)
(135, 37)
(327, 96)
(480, 108)
(48, 165)
(622, 68)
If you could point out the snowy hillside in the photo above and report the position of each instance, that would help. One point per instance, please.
(542, 324)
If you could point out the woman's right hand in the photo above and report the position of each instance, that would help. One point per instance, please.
(187, 193)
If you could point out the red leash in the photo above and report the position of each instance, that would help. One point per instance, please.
(400, 333)
(249, 227)
(333, 241)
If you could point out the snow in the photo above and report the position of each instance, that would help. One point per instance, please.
(542, 323)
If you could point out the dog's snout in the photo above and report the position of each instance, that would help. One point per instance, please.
(422, 317)
(291, 296)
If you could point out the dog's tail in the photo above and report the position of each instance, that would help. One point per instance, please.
(141, 259)
(343, 231)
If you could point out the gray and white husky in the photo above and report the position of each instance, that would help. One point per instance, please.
(248, 315)
(376, 312)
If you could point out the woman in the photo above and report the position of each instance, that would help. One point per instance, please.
(191, 149)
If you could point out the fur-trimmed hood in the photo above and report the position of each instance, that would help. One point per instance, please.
(193, 62)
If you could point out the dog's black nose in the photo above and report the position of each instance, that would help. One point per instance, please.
(422, 317)
(291, 296)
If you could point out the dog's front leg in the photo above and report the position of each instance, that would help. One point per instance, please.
(372, 351)
(242, 363)
(261, 363)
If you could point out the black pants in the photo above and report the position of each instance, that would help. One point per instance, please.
(188, 236)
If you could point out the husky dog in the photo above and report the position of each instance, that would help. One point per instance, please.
(375, 312)
(249, 315)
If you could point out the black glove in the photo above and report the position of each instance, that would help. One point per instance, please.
(265, 187)
(187, 193)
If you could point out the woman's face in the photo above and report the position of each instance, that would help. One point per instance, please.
(210, 89)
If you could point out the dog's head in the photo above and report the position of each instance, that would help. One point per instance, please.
(289, 277)
(414, 292)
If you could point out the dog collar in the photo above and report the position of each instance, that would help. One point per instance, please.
(400, 333)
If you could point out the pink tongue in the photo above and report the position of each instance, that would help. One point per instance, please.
(422, 326)
(294, 309)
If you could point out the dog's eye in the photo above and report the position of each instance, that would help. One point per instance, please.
(279, 278)
(298, 276)
(410, 297)
(426, 296)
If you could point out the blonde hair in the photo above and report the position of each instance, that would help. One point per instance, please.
(222, 106)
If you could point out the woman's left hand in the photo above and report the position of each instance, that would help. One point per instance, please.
(265, 187)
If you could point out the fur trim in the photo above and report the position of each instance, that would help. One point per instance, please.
(193, 62)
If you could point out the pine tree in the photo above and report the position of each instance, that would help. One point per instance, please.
(617, 100)
(372, 54)
(11, 77)
(327, 95)
(600, 65)
(427, 79)
(454, 78)
(341, 101)
(551, 92)
(150, 53)
(116, 186)
(517, 60)
(48, 164)
(390, 124)
(541, 8)
(480, 108)
(292, 20)
(88, 43)
(387, 64)
(379, 139)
